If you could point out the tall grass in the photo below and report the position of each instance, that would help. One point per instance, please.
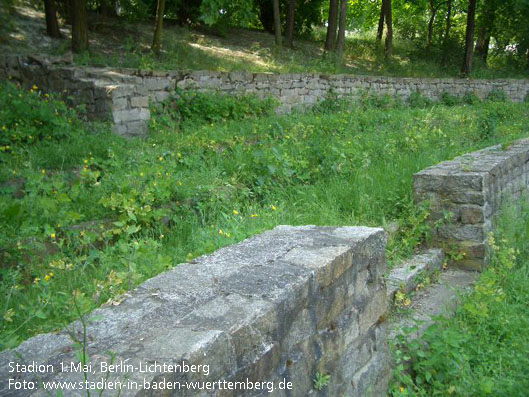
(92, 214)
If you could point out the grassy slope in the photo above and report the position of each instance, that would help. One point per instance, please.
(118, 43)
(201, 183)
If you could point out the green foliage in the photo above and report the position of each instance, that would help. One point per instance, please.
(189, 105)
(31, 116)
(95, 213)
(417, 100)
(482, 350)
(497, 95)
(321, 380)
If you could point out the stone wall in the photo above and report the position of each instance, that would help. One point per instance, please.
(278, 307)
(122, 95)
(472, 189)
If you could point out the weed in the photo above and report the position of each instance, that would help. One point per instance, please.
(321, 380)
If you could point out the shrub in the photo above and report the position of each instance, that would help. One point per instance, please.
(198, 107)
(417, 100)
(497, 95)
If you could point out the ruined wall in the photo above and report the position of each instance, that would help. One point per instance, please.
(122, 95)
(472, 189)
(278, 307)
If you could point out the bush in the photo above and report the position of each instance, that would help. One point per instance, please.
(198, 107)
(497, 95)
(417, 100)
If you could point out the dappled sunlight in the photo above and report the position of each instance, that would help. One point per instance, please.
(228, 52)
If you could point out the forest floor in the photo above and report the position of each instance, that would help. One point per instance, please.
(118, 42)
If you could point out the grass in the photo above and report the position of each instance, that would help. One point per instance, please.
(483, 349)
(88, 215)
(119, 43)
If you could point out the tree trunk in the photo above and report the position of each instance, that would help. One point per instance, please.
(482, 45)
(340, 44)
(108, 9)
(448, 20)
(389, 29)
(446, 39)
(433, 11)
(380, 30)
(79, 26)
(486, 25)
(52, 26)
(158, 28)
(332, 23)
(469, 40)
(277, 23)
(289, 33)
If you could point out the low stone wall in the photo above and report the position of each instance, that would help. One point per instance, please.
(123, 95)
(472, 188)
(278, 307)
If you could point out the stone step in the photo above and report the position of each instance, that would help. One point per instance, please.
(440, 298)
(407, 276)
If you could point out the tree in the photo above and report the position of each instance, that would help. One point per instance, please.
(289, 32)
(332, 22)
(341, 30)
(433, 12)
(469, 40)
(52, 26)
(380, 30)
(389, 29)
(79, 26)
(277, 23)
(485, 22)
(157, 37)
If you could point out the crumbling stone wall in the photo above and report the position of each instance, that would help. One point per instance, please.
(123, 95)
(278, 307)
(472, 189)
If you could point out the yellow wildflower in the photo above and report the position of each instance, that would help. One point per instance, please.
(254, 215)
(273, 207)
(36, 281)
(235, 212)
(48, 276)
(35, 87)
(52, 235)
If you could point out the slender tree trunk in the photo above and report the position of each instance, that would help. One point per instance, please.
(380, 30)
(448, 20)
(332, 22)
(277, 23)
(340, 44)
(446, 39)
(79, 26)
(108, 9)
(469, 40)
(158, 28)
(52, 26)
(289, 33)
(389, 29)
(433, 11)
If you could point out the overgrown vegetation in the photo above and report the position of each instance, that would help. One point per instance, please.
(483, 349)
(88, 215)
